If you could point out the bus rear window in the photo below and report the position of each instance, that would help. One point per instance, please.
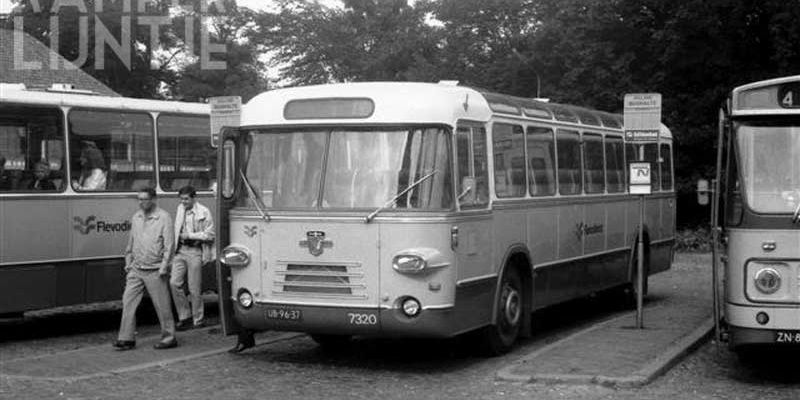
(185, 155)
(31, 149)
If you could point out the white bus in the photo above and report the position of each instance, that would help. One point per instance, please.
(426, 210)
(758, 197)
(62, 235)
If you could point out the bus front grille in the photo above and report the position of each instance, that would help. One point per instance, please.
(320, 280)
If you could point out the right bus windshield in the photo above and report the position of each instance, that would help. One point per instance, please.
(770, 166)
(349, 168)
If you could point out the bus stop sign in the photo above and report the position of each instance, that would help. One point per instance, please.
(225, 111)
(642, 117)
(639, 178)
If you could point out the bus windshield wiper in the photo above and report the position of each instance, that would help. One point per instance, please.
(372, 215)
(796, 215)
(254, 197)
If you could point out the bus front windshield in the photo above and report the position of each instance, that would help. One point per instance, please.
(770, 166)
(353, 168)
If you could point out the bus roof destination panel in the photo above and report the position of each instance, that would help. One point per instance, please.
(329, 108)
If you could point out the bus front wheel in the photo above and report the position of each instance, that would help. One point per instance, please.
(499, 338)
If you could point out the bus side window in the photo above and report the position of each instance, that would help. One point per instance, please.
(481, 166)
(463, 165)
(593, 163)
(111, 150)
(651, 155)
(615, 164)
(31, 149)
(509, 172)
(569, 162)
(541, 161)
(666, 167)
(185, 155)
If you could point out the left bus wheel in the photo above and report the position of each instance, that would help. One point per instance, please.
(499, 338)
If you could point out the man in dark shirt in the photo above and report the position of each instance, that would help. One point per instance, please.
(147, 261)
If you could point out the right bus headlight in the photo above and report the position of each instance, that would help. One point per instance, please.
(767, 280)
(235, 256)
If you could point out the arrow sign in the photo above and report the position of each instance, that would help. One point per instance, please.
(639, 176)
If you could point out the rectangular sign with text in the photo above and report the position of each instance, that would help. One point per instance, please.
(642, 117)
(225, 111)
(639, 174)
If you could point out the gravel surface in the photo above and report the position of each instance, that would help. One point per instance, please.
(418, 369)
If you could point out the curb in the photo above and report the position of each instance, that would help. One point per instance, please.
(645, 375)
(161, 363)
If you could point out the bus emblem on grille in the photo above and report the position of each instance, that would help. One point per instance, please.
(250, 231)
(316, 242)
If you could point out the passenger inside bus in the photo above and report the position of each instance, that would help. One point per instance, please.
(41, 178)
(5, 180)
(93, 174)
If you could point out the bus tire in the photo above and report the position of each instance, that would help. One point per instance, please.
(332, 343)
(499, 338)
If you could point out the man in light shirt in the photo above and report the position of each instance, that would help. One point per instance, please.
(194, 229)
(147, 262)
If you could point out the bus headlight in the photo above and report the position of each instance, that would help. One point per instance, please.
(245, 298)
(418, 260)
(411, 307)
(408, 263)
(235, 256)
(767, 280)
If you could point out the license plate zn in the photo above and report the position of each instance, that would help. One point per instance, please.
(787, 337)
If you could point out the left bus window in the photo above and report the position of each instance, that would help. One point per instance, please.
(111, 150)
(509, 160)
(185, 155)
(31, 149)
(541, 164)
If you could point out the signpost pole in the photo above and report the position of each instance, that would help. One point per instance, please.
(642, 124)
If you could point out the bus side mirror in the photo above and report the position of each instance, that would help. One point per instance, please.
(702, 192)
(467, 195)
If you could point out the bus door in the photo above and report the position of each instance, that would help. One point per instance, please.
(473, 250)
(226, 167)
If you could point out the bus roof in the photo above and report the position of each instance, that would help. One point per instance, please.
(768, 97)
(19, 94)
(409, 103)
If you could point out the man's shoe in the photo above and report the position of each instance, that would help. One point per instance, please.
(123, 345)
(183, 325)
(200, 324)
(166, 345)
(240, 347)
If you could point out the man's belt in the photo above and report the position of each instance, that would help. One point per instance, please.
(191, 242)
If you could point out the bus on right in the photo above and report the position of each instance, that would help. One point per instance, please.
(757, 201)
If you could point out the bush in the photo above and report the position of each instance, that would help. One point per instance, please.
(693, 240)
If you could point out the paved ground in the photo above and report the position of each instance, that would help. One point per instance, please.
(298, 369)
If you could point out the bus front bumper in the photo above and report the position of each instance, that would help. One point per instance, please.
(782, 325)
(429, 323)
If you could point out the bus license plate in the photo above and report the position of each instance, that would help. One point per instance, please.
(284, 314)
(787, 337)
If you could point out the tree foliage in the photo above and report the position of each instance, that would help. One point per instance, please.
(586, 52)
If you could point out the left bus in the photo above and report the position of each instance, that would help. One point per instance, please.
(62, 237)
